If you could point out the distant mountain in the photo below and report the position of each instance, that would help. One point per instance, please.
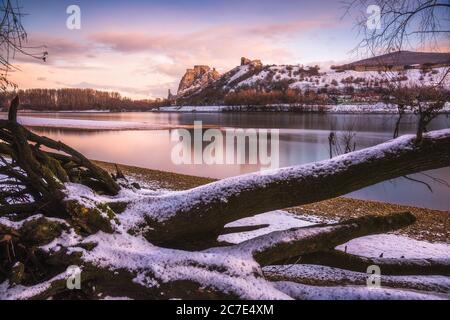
(204, 86)
(398, 60)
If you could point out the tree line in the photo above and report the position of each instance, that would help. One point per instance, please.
(254, 97)
(70, 99)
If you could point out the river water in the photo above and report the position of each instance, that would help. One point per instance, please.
(303, 138)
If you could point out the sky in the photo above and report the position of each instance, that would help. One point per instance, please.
(141, 48)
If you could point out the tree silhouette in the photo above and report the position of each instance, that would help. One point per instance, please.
(13, 39)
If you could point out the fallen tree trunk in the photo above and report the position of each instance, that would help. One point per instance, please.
(202, 212)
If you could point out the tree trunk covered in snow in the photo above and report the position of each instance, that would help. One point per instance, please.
(202, 212)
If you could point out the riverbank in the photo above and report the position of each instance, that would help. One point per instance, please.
(92, 125)
(431, 225)
(343, 108)
(349, 108)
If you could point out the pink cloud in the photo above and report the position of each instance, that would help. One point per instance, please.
(151, 62)
(219, 46)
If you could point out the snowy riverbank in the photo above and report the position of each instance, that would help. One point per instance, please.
(66, 123)
(376, 108)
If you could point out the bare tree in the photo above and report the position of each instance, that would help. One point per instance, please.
(402, 97)
(407, 24)
(415, 23)
(13, 39)
(423, 101)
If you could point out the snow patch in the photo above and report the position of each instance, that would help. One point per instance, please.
(307, 292)
(18, 292)
(382, 244)
(89, 124)
(277, 221)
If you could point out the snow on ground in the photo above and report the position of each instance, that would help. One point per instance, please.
(86, 195)
(82, 111)
(228, 273)
(66, 239)
(241, 70)
(19, 292)
(337, 79)
(115, 298)
(90, 199)
(276, 221)
(370, 246)
(192, 109)
(83, 124)
(18, 224)
(396, 246)
(153, 264)
(89, 124)
(377, 108)
(307, 292)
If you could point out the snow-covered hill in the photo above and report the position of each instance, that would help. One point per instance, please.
(267, 78)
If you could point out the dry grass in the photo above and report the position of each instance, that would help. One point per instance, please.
(162, 179)
(431, 225)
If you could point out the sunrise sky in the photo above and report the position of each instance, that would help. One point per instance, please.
(142, 48)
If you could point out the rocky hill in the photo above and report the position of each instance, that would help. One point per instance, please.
(204, 86)
(196, 78)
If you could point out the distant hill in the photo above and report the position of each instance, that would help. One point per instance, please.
(398, 61)
(204, 86)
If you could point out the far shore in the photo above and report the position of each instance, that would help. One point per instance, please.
(432, 225)
(344, 108)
